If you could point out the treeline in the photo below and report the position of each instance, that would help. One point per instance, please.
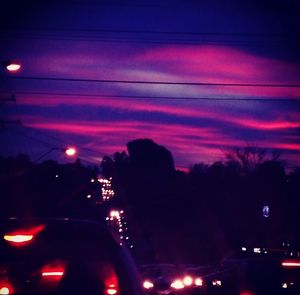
(199, 216)
(207, 213)
(47, 189)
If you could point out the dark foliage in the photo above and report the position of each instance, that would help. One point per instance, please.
(201, 216)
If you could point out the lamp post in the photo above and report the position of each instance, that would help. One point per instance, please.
(69, 151)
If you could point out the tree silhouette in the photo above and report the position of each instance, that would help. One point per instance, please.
(200, 216)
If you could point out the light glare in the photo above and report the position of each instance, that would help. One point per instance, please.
(198, 282)
(217, 283)
(111, 291)
(13, 67)
(256, 250)
(70, 151)
(177, 284)
(188, 281)
(148, 285)
(18, 238)
(52, 273)
(4, 291)
(290, 264)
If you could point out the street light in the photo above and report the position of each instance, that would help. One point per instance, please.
(69, 151)
(12, 66)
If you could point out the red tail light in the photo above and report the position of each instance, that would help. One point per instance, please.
(18, 238)
(5, 288)
(290, 263)
(53, 271)
(23, 237)
(111, 285)
(111, 290)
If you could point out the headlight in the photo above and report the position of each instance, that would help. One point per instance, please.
(148, 285)
(198, 282)
(217, 283)
(177, 284)
(187, 281)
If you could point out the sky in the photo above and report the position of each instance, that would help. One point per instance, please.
(198, 77)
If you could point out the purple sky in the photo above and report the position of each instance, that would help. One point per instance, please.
(164, 41)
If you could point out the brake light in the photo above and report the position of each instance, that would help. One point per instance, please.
(290, 264)
(18, 238)
(4, 291)
(53, 271)
(5, 288)
(23, 237)
(112, 290)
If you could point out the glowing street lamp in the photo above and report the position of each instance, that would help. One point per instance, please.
(13, 67)
(70, 152)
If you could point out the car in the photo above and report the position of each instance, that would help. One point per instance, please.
(171, 280)
(63, 256)
(259, 271)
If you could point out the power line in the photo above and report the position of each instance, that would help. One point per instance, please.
(151, 32)
(31, 137)
(52, 146)
(147, 41)
(167, 40)
(154, 82)
(159, 97)
(46, 143)
(136, 36)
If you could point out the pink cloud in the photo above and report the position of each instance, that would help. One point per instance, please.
(265, 125)
(281, 120)
(288, 146)
(189, 144)
(188, 141)
(221, 64)
(214, 64)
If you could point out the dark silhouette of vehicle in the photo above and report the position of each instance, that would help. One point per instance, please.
(258, 271)
(62, 256)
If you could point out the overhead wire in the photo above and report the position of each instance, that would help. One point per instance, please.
(51, 145)
(150, 36)
(146, 41)
(275, 85)
(197, 33)
(155, 97)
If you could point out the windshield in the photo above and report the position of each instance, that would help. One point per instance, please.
(176, 124)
